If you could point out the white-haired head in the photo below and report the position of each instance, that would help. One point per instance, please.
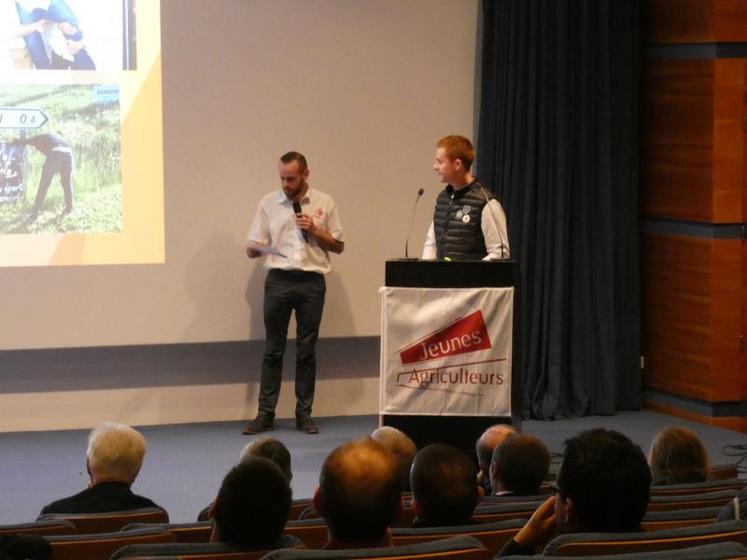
(115, 453)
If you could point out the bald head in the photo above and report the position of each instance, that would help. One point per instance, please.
(489, 440)
(359, 491)
(400, 444)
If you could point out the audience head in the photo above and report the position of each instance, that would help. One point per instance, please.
(359, 493)
(677, 456)
(444, 485)
(269, 448)
(115, 453)
(603, 484)
(486, 444)
(253, 504)
(401, 445)
(520, 464)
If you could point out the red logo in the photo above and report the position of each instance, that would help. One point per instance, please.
(468, 334)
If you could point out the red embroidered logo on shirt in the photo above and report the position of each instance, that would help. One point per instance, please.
(318, 213)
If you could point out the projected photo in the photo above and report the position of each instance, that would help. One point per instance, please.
(67, 34)
(59, 159)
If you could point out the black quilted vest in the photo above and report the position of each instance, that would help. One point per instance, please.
(457, 222)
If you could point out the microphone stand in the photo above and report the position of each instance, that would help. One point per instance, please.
(412, 221)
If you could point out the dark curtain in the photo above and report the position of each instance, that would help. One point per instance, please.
(558, 143)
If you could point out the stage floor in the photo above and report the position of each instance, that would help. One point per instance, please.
(185, 463)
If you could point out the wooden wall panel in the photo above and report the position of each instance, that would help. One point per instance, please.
(728, 140)
(678, 139)
(679, 21)
(693, 316)
(694, 140)
(696, 21)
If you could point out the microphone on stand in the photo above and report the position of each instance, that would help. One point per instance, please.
(297, 210)
(412, 221)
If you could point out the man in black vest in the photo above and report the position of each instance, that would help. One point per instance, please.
(468, 222)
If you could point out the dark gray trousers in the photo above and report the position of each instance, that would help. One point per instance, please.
(287, 291)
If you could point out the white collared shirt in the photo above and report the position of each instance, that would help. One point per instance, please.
(275, 224)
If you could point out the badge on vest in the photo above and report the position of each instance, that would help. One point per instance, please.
(466, 209)
(465, 219)
(459, 214)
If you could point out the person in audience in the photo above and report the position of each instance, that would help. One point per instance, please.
(444, 487)
(269, 448)
(519, 466)
(24, 547)
(486, 444)
(677, 456)
(252, 505)
(113, 460)
(359, 494)
(603, 486)
(735, 509)
(401, 445)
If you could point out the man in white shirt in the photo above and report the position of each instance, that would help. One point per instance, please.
(295, 228)
(468, 222)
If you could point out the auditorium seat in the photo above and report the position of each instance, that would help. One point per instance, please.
(194, 551)
(716, 551)
(721, 472)
(492, 535)
(100, 546)
(698, 487)
(584, 544)
(667, 502)
(661, 520)
(454, 548)
(311, 532)
(110, 520)
(503, 512)
(198, 532)
(46, 527)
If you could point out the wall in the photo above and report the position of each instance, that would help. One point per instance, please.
(364, 88)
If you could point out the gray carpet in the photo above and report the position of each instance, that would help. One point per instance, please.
(185, 463)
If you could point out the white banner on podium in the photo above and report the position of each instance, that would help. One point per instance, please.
(446, 351)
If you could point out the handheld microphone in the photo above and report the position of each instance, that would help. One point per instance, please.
(412, 221)
(297, 210)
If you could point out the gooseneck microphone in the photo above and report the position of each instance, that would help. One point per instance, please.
(297, 210)
(412, 221)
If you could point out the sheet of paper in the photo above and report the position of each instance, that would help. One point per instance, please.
(265, 249)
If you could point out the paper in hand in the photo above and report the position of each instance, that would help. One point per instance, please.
(265, 249)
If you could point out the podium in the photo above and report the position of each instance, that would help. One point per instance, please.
(460, 431)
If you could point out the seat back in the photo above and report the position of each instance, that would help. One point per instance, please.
(698, 487)
(198, 551)
(722, 472)
(46, 527)
(297, 506)
(109, 521)
(504, 512)
(662, 520)
(100, 546)
(492, 535)
(666, 502)
(198, 532)
(311, 532)
(454, 548)
(585, 544)
(716, 551)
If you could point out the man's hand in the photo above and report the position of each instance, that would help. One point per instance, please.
(540, 528)
(306, 223)
(251, 252)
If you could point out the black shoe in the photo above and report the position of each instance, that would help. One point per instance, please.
(262, 423)
(306, 425)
